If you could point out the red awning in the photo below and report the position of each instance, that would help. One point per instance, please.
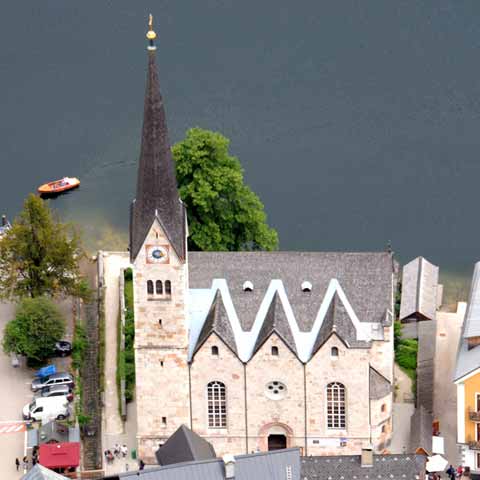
(59, 455)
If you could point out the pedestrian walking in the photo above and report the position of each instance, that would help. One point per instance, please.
(25, 463)
(141, 464)
(451, 472)
(110, 456)
(124, 450)
(459, 471)
(116, 450)
(17, 463)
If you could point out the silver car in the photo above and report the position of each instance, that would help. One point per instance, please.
(51, 380)
(56, 391)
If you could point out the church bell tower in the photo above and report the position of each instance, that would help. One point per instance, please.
(158, 253)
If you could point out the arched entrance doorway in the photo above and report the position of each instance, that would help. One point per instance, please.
(275, 436)
(277, 441)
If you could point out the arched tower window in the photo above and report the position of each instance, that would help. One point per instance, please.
(159, 287)
(217, 405)
(336, 411)
(334, 352)
(215, 350)
(168, 287)
(275, 351)
(150, 287)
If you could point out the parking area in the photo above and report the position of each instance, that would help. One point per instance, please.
(15, 393)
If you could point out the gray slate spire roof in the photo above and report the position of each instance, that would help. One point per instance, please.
(184, 446)
(276, 322)
(157, 193)
(217, 322)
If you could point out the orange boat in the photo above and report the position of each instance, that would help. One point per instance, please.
(59, 186)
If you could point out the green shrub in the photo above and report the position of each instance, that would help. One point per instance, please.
(79, 346)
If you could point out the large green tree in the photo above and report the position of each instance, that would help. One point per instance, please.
(39, 255)
(37, 325)
(223, 213)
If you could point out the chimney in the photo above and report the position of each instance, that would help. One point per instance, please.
(229, 461)
(4, 220)
(367, 456)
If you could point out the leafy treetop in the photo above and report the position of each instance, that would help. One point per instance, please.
(39, 255)
(37, 325)
(223, 213)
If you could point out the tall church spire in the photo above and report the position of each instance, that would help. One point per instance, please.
(157, 193)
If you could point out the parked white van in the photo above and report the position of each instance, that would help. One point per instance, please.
(45, 409)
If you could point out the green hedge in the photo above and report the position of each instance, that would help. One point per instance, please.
(129, 337)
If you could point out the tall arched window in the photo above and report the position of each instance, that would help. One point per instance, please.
(336, 412)
(158, 287)
(150, 287)
(168, 287)
(217, 405)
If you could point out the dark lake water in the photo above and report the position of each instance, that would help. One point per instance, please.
(357, 122)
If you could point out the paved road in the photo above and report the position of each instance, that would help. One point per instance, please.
(15, 388)
(445, 401)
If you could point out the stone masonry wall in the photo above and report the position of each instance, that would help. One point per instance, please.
(228, 369)
(162, 393)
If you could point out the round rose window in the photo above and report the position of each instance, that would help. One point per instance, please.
(275, 390)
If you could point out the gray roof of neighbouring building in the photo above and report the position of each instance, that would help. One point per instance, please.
(257, 466)
(379, 386)
(348, 467)
(421, 430)
(469, 360)
(184, 446)
(419, 289)
(39, 472)
(157, 194)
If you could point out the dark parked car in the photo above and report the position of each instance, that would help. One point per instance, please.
(63, 348)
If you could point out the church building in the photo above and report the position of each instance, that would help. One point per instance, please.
(253, 351)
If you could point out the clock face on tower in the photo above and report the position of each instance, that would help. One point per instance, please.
(157, 253)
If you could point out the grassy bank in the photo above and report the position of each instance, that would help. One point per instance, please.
(406, 351)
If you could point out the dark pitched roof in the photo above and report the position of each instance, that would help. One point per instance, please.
(217, 322)
(421, 430)
(393, 467)
(184, 446)
(157, 193)
(379, 385)
(276, 322)
(337, 321)
(366, 279)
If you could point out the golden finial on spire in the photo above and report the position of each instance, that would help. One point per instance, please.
(151, 35)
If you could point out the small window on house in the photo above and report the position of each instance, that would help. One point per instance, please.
(156, 234)
(160, 323)
(384, 428)
(168, 287)
(161, 363)
(248, 286)
(384, 407)
(215, 350)
(164, 420)
(150, 287)
(334, 352)
(159, 287)
(275, 351)
(306, 286)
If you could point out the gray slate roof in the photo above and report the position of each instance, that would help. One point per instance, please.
(217, 322)
(379, 385)
(39, 472)
(419, 289)
(469, 360)
(257, 466)
(348, 467)
(184, 446)
(276, 322)
(366, 279)
(338, 321)
(421, 430)
(157, 194)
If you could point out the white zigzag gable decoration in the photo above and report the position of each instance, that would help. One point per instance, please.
(245, 340)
